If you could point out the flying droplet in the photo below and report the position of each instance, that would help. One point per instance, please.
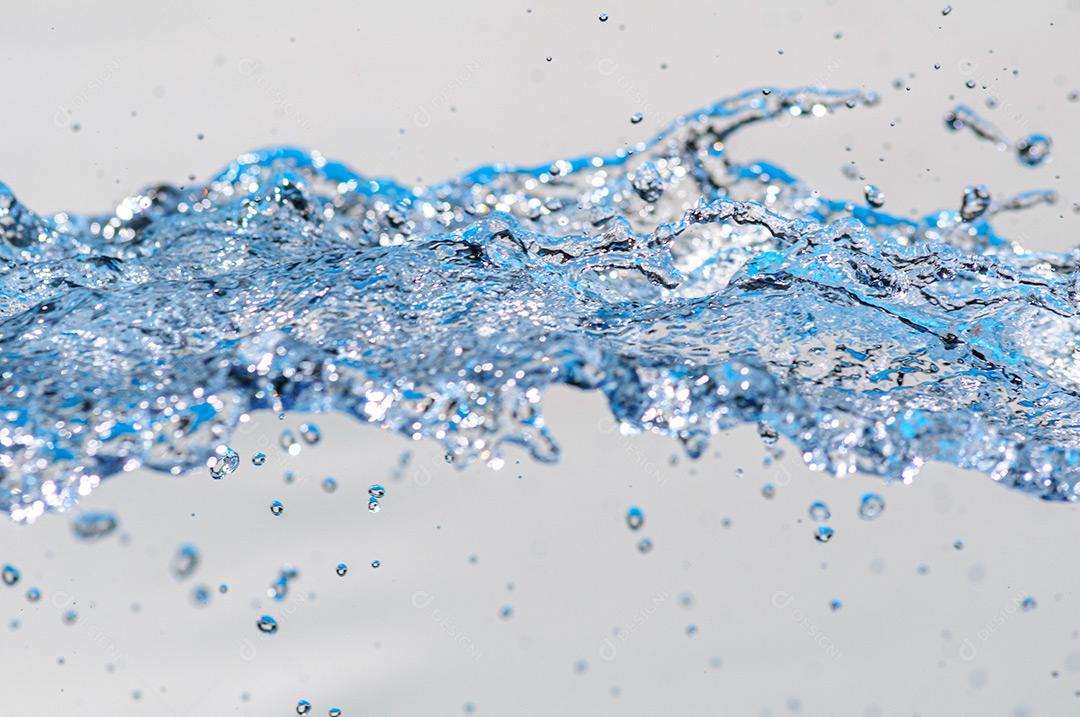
(1033, 150)
(10, 575)
(768, 490)
(94, 525)
(1028, 603)
(258, 459)
(185, 561)
(874, 196)
(334, 712)
(635, 518)
(288, 442)
(946, 10)
(33, 594)
(976, 201)
(375, 563)
(373, 505)
(819, 511)
(603, 17)
(636, 118)
(277, 507)
(310, 433)
(226, 462)
(835, 605)
(303, 707)
(342, 569)
(376, 491)
(267, 625)
(329, 484)
(645, 545)
(200, 595)
(823, 533)
(871, 506)
(506, 612)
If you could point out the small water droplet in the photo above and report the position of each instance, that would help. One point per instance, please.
(33, 594)
(636, 118)
(1033, 150)
(645, 545)
(375, 563)
(329, 484)
(874, 196)
(185, 561)
(303, 707)
(603, 17)
(226, 461)
(277, 507)
(310, 433)
(70, 617)
(871, 506)
(835, 605)
(267, 625)
(94, 525)
(376, 491)
(635, 518)
(819, 511)
(373, 505)
(768, 490)
(946, 10)
(823, 533)
(200, 595)
(258, 459)
(975, 202)
(334, 712)
(506, 612)
(1028, 603)
(288, 442)
(342, 569)
(10, 575)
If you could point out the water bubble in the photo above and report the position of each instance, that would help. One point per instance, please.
(185, 561)
(823, 533)
(258, 459)
(871, 506)
(226, 462)
(874, 196)
(10, 575)
(342, 568)
(303, 707)
(277, 507)
(1028, 603)
(636, 118)
(288, 442)
(310, 433)
(1033, 150)
(645, 545)
(33, 594)
(375, 563)
(373, 505)
(819, 511)
(329, 484)
(635, 518)
(267, 625)
(376, 491)
(94, 525)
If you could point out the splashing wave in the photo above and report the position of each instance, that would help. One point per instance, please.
(697, 292)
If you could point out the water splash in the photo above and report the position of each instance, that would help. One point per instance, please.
(695, 290)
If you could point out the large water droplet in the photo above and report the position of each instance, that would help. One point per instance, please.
(225, 462)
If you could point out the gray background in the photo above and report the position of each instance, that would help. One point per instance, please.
(424, 92)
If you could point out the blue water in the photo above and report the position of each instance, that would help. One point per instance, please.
(697, 291)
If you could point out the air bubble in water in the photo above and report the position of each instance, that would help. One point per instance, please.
(258, 459)
(185, 561)
(10, 575)
(226, 462)
(823, 533)
(94, 525)
(342, 569)
(310, 433)
(635, 517)
(277, 507)
(976, 201)
(819, 511)
(267, 625)
(874, 196)
(871, 506)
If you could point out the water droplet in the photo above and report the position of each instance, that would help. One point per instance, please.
(70, 617)
(835, 605)
(645, 545)
(768, 490)
(33, 594)
(185, 561)
(10, 575)
(1033, 150)
(946, 10)
(768, 434)
(958, 544)
(691, 630)
(376, 491)
(310, 433)
(506, 611)
(1028, 603)
(94, 526)
(267, 625)
(329, 484)
(375, 563)
(303, 707)
(819, 511)
(342, 569)
(871, 506)
(200, 595)
(226, 462)
(258, 459)
(334, 712)
(277, 507)
(373, 505)
(603, 17)
(823, 533)
(288, 442)
(874, 196)
(635, 518)
(636, 118)
(290, 477)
